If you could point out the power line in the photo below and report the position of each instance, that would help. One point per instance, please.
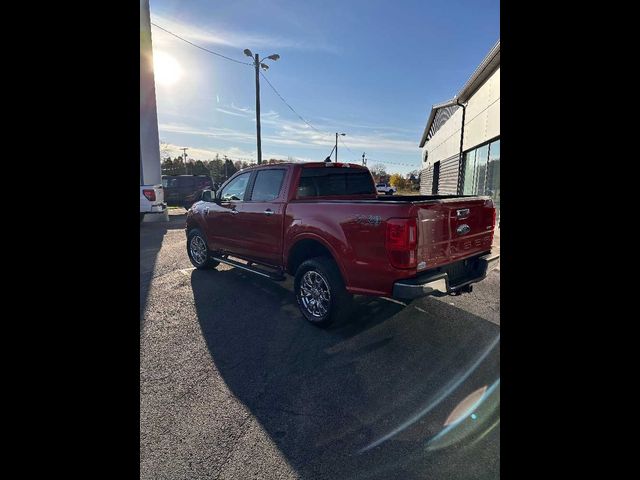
(345, 145)
(201, 48)
(290, 107)
(373, 160)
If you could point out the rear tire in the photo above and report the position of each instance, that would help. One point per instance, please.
(198, 251)
(320, 292)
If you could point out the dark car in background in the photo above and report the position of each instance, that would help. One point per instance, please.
(184, 190)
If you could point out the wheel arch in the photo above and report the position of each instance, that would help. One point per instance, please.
(309, 246)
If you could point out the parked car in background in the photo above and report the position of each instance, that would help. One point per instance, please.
(184, 190)
(151, 200)
(325, 224)
(385, 188)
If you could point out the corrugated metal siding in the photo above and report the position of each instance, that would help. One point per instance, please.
(449, 176)
(426, 181)
(446, 141)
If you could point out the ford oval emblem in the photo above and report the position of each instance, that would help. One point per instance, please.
(463, 229)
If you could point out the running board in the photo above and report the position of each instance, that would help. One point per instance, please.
(277, 276)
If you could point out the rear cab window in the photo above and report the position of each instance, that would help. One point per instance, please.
(334, 181)
(203, 182)
(186, 182)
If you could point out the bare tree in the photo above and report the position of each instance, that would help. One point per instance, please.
(378, 170)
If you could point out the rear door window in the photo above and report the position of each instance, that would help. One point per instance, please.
(267, 185)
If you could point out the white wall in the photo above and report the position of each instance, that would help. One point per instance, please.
(149, 142)
(482, 120)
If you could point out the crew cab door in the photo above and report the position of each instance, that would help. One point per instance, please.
(261, 218)
(223, 230)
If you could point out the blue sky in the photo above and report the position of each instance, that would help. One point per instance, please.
(369, 68)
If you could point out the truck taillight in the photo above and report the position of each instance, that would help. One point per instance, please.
(401, 242)
(150, 194)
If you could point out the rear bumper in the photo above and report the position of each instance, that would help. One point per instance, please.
(439, 283)
(159, 208)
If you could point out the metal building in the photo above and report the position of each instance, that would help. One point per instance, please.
(461, 142)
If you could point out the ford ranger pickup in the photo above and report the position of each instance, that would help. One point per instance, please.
(325, 224)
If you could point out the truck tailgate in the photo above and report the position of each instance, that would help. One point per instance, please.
(450, 230)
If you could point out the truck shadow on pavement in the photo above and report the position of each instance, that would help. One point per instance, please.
(324, 396)
(151, 237)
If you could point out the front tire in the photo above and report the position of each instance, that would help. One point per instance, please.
(320, 292)
(198, 251)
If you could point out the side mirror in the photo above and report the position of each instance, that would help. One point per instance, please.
(208, 196)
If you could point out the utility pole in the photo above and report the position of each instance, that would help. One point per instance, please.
(184, 159)
(256, 64)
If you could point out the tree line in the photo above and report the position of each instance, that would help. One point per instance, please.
(219, 169)
(411, 181)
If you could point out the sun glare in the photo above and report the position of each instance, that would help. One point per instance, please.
(166, 69)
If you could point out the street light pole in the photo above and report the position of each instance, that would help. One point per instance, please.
(257, 64)
(343, 134)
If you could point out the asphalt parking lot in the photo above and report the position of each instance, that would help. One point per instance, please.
(235, 384)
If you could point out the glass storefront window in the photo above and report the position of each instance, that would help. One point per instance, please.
(469, 169)
(493, 173)
(482, 155)
(481, 174)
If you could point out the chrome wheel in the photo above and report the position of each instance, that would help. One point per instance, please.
(198, 249)
(314, 294)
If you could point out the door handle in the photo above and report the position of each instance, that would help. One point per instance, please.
(268, 211)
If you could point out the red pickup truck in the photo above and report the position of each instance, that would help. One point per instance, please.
(325, 224)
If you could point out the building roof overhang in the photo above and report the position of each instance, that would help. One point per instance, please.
(489, 64)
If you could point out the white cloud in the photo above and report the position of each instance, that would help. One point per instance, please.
(235, 114)
(234, 153)
(228, 37)
(296, 133)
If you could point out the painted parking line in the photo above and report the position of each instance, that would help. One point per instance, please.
(394, 301)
